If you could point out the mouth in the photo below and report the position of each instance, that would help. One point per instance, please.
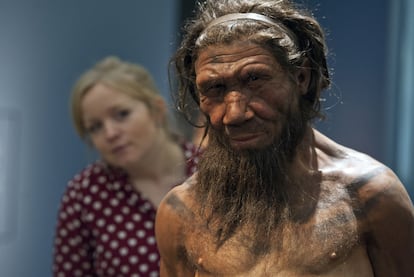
(247, 141)
(119, 149)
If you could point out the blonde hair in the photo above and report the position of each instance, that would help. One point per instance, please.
(128, 78)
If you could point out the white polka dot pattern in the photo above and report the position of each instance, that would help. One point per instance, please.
(105, 228)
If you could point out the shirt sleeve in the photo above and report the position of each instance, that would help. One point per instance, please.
(73, 244)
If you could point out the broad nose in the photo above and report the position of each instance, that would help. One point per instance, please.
(237, 108)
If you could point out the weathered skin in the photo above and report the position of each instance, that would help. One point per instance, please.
(353, 218)
(375, 232)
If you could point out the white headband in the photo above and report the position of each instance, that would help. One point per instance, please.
(235, 16)
(250, 16)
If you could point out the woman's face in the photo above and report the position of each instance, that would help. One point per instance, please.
(120, 127)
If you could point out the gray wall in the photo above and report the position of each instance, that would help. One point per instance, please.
(44, 46)
(357, 39)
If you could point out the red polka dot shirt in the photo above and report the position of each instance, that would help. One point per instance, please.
(105, 227)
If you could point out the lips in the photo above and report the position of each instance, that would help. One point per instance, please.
(246, 136)
(243, 133)
(245, 141)
(118, 149)
(243, 138)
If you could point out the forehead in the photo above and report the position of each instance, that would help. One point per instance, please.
(103, 93)
(101, 98)
(233, 53)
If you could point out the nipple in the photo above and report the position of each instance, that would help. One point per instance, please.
(199, 265)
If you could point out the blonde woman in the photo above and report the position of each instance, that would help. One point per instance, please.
(106, 220)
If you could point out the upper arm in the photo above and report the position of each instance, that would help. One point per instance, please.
(170, 234)
(72, 242)
(390, 217)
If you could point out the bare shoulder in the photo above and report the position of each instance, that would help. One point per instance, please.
(359, 172)
(366, 178)
(177, 201)
(387, 216)
(381, 203)
(173, 215)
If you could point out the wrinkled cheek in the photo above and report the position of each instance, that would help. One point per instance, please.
(274, 129)
(266, 111)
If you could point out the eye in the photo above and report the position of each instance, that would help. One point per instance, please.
(251, 77)
(213, 90)
(94, 128)
(255, 79)
(120, 115)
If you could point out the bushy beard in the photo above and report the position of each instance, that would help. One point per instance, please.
(248, 187)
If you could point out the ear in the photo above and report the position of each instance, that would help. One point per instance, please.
(302, 77)
(160, 110)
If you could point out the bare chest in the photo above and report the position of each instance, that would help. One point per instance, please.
(323, 242)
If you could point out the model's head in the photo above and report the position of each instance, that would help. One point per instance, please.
(129, 79)
(293, 36)
(255, 68)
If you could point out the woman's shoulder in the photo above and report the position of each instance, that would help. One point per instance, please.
(189, 148)
(96, 172)
(92, 170)
(191, 154)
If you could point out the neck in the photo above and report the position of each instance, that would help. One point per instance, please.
(159, 171)
(163, 159)
(305, 159)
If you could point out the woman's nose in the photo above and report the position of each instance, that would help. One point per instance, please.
(111, 130)
(237, 108)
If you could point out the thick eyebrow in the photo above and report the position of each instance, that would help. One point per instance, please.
(209, 82)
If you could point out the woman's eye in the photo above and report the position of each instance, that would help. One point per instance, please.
(94, 128)
(121, 114)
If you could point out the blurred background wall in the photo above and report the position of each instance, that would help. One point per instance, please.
(45, 45)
